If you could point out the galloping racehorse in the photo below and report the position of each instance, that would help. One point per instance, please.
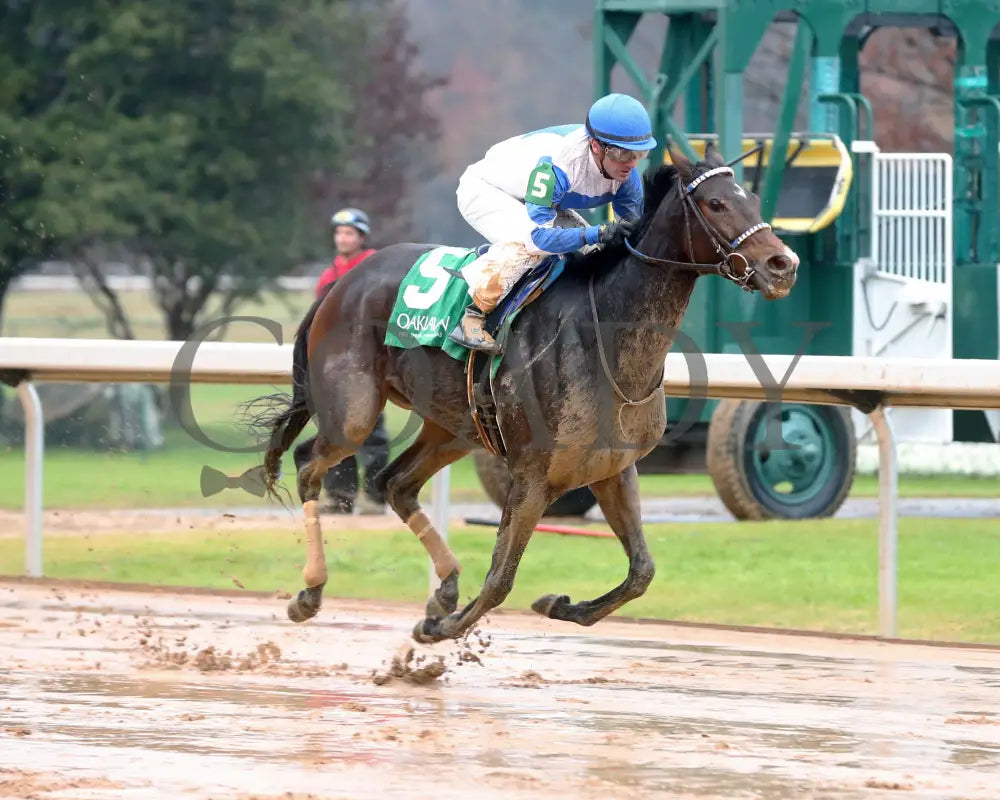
(578, 394)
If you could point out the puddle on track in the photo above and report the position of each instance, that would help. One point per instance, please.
(112, 695)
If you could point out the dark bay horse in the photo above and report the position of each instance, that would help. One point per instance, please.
(579, 393)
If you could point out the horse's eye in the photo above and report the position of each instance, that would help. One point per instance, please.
(715, 204)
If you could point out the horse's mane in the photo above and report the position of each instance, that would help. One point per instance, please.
(656, 184)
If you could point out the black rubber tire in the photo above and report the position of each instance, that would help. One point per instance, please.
(495, 478)
(728, 458)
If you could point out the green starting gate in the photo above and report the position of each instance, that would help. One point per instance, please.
(899, 252)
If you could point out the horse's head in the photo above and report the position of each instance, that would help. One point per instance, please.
(723, 231)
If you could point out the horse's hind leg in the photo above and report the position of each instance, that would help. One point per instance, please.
(433, 449)
(310, 481)
(344, 426)
(619, 500)
(303, 453)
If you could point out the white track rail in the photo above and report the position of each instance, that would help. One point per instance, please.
(873, 384)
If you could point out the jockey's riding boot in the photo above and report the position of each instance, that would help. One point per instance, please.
(470, 331)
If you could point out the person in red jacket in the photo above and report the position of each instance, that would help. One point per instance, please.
(350, 234)
(351, 229)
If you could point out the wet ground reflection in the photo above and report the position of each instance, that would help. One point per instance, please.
(136, 696)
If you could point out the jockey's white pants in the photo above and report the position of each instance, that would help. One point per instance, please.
(504, 222)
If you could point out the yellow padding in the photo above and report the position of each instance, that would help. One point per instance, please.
(820, 151)
(826, 151)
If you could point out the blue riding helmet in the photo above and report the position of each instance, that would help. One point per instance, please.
(621, 121)
(354, 217)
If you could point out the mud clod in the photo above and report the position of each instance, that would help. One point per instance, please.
(210, 659)
(902, 787)
(982, 719)
(410, 668)
(206, 659)
(471, 645)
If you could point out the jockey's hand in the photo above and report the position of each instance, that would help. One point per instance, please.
(615, 232)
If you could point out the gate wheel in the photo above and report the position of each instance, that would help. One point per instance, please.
(757, 478)
(495, 478)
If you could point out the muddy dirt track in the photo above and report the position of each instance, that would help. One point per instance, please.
(126, 694)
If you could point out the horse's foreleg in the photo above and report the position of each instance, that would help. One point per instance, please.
(432, 450)
(526, 502)
(310, 481)
(619, 500)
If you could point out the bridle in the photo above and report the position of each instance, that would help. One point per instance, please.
(726, 251)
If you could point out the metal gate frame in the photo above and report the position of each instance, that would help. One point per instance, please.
(911, 246)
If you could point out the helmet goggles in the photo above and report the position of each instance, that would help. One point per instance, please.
(621, 154)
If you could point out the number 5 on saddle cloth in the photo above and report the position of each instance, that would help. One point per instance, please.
(432, 298)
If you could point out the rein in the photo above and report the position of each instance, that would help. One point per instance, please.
(604, 360)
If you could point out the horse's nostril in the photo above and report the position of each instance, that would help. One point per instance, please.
(781, 263)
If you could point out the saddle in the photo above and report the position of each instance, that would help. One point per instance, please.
(479, 379)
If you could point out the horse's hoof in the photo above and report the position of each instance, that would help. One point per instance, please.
(424, 633)
(434, 608)
(545, 604)
(444, 601)
(302, 607)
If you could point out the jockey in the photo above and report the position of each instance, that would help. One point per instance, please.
(522, 194)
(351, 228)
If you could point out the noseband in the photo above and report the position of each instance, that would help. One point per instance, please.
(726, 251)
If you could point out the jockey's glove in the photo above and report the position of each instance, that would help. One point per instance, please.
(615, 232)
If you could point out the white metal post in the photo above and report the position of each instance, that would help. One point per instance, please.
(888, 533)
(34, 451)
(440, 511)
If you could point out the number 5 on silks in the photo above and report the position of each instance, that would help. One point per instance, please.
(433, 265)
(541, 183)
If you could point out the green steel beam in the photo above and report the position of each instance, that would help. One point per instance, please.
(696, 104)
(728, 93)
(864, 103)
(740, 27)
(677, 68)
(692, 68)
(975, 331)
(671, 63)
(602, 56)
(729, 116)
(848, 128)
(992, 154)
(982, 238)
(617, 26)
(971, 81)
(618, 49)
(612, 30)
(829, 20)
(854, 237)
(853, 233)
(824, 79)
(850, 53)
(786, 121)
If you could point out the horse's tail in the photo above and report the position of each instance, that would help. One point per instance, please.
(285, 416)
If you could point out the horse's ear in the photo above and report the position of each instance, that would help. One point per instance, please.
(712, 156)
(684, 167)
